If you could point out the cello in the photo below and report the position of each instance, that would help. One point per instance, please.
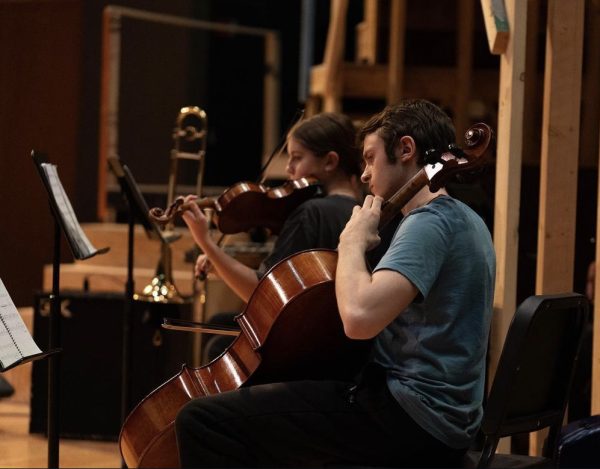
(284, 334)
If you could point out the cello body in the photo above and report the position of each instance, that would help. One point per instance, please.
(290, 330)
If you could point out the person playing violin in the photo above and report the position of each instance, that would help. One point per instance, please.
(321, 147)
(427, 305)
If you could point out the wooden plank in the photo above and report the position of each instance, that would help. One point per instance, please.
(334, 56)
(595, 407)
(508, 178)
(595, 404)
(395, 79)
(271, 100)
(464, 64)
(496, 17)
(109, 103)
(366, 33)
(434, 83)
(560, 154)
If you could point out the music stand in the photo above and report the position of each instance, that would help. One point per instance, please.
(137, 210)
(64, 221)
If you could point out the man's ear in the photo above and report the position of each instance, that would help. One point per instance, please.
(332, 160)
(406, 149)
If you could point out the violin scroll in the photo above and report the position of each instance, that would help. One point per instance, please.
(163, 217)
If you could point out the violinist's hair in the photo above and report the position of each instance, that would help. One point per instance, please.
(330, 131)
(426, 123)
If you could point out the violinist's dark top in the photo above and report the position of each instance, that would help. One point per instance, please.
(315, 224)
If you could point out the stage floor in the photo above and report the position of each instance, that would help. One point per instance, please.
(20, 449)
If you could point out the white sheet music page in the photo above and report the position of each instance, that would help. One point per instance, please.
(81, 242)
(15, 340)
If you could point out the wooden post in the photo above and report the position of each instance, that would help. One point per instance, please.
(271, 101)
(508, 177)
(366, 33)
(560, 154)
(396, 52)
(464, 65)
(593, 70)
(595, 405)
(109, 101)
(334, 56)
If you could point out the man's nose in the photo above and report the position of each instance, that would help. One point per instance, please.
(365, 176)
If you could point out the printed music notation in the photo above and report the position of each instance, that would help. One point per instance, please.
(16, 342)
(80, 244)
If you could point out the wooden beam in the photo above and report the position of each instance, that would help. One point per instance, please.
(595, 407)
(366, 33)
(508, 177)
(464, 65)
(495, 15)
(595, 404)
(109, 103)
(560, 146)
(395, 81)
(334, 55)
(560, 154)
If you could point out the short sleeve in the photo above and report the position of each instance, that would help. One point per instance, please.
(418, 249)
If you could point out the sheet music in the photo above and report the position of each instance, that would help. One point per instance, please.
(15, 341)
(79, 241)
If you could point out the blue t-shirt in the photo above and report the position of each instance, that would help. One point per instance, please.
(434, 351)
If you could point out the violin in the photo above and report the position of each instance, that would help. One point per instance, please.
(247, 205)
(291, 328)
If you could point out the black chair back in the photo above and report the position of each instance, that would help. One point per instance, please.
(533, 379)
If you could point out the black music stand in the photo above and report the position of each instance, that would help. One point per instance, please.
(81, 248)
(138, 210)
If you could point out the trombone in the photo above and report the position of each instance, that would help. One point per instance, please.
(189, 137)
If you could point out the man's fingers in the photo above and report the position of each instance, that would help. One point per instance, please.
(377, 201)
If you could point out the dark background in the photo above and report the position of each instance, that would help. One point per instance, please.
(50, 54)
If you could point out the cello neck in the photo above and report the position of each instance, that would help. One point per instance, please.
(394, 204)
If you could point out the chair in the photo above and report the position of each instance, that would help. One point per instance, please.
(533, 380)
(579, 442)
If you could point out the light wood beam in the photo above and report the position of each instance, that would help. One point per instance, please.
(560, 147)
(595, 407)
(508, 177)
(560, 154)
(595, 404)
(396, 52)
(367, 33)
(334, 56)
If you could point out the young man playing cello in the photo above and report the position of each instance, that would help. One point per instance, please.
(427, 305)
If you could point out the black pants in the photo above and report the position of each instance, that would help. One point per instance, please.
(306, 424)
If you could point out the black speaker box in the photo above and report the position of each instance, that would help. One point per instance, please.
(90, 366)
